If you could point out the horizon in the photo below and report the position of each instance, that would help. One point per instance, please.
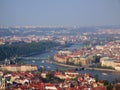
(58, 26)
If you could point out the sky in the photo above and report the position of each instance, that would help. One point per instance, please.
(59, 12)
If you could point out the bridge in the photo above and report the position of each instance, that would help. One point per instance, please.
(32, 58)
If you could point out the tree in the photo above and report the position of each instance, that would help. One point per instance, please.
(96, 77)
(23, 49)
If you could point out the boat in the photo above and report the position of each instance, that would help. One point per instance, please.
(48, 66)
(33, 61)
(41, 66)
(104, 73)
(42, 61)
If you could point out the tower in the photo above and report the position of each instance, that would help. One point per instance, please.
(3, 84)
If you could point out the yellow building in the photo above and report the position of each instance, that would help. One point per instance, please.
(15, 68)
(110, 62)
(117, 67)
(60, 59)
(107, 62)
(73, 60)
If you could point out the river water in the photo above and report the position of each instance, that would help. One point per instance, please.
(48, 65)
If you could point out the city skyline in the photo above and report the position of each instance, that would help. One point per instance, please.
(59, 13)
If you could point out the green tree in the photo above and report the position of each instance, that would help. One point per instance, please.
(96, 77)
(20, 49)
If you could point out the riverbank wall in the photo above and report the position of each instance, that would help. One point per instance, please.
(65, 65)
(101, 69)
(86, 68)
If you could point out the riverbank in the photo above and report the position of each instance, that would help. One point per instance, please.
(86, 68)
(65, 65)
(101, 69)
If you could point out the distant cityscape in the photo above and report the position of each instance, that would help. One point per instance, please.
(107, 56)
(99, 50)
(28, 34)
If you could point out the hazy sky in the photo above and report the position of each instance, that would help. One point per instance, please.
(59, 12)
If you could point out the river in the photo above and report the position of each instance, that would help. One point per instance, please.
(102, 75)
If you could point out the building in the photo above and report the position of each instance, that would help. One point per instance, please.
(72, 60)
(15, 68)
(110, 62)
(2, 84)
(107, 62)
(117, 67)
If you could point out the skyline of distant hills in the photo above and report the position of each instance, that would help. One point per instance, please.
(45, 30)
(56, 26)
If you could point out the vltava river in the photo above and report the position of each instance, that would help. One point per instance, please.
(111, 76)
